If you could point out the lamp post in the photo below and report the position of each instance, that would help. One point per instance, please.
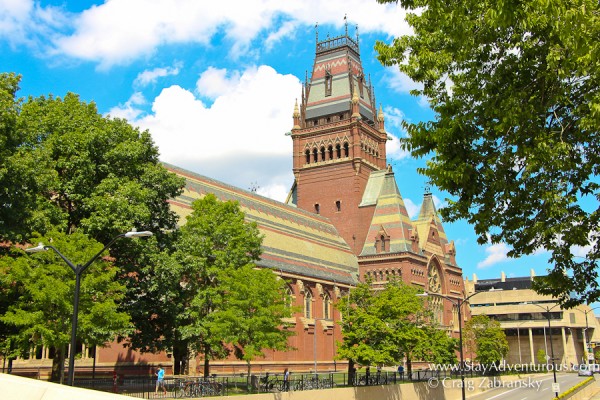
(458, 303)
(547, 309)
(78, 270)
(585, 338)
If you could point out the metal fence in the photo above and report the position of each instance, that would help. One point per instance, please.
(144, 387)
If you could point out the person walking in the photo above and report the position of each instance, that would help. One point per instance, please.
(160, 380)
(286, 380)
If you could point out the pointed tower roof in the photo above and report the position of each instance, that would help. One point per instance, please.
(390, 216)
(337, 75)
(429, 221)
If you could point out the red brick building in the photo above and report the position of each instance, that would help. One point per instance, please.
(344, 219)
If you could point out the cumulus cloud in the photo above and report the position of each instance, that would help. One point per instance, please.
(131, 109)
(496, 253)
(215, 82)
(117, 32)
(224, 140)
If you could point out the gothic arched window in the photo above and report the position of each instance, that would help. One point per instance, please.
(326, 306)
(308, 307)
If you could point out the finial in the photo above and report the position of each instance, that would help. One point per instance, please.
(346, 23)
(427, 189)
(296, 109)
(380, 116)
(317, 31)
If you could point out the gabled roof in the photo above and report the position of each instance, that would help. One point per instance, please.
(390, 214)
(427, 222)
(296, 241)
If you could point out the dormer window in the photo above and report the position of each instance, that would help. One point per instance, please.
(317, 208)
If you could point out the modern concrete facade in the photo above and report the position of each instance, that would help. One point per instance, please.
(523, 313)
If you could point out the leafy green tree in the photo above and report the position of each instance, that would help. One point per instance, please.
(65, 168)
(541, 357)
(382, 326)
(42, 313)
(490, 340)
(515, 87)
(184, 288)
(251, 315)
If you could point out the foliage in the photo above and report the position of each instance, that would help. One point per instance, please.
(45, 283)
(185, 287)
(66, 169)
(251, 316)
(490, 340)
(384, 326)
(515, 86)
(541, 357)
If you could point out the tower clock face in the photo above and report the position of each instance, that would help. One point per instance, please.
(435, 282)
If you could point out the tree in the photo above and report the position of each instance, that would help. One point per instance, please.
(515, 87)
(184, 287)
(251, 315)
(490, 340)
(42, 312)
(66, 169)
(382, 326)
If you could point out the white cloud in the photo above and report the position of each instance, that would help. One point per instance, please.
(130, 110)
(151, 76)
(120, 31)
(496, 253)
(214, 82)
(411, 208)
(393, 124)
(224, 140)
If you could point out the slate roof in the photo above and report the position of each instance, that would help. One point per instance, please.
(296, 241)
(390, 214)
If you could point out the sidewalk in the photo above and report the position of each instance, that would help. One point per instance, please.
(596, 395)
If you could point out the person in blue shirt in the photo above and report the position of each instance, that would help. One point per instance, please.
(160, 380)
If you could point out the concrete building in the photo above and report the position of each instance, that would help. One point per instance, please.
(523, 314)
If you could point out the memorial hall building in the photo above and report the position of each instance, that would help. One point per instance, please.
(344, 220)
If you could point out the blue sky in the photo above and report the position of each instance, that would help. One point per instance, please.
(215, 82)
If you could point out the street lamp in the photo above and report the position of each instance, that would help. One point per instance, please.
(78, 270)
(547, 309)
(585, 339)
(458, 303)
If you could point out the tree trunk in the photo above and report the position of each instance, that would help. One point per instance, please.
(58, 366)
(180, 358)
(409, 367)
(206, 361)
(351, 372)
(248, 381)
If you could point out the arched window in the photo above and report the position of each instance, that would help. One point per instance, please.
(330, 151)
(382, 240)
(338, 151)
(289, 297)
(307, 154)
(346, 150)
(308, 304)
(322, 153)
(315, 155)
(326, 306)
